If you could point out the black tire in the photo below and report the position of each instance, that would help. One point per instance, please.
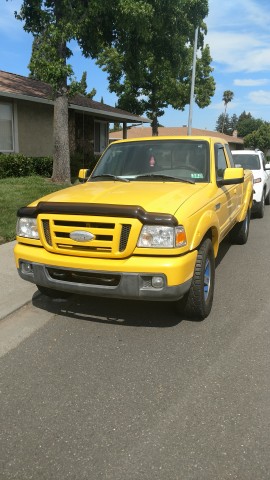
(267, 199)
(198, 301)
(240, 231)
(49, 292)
(260, 207)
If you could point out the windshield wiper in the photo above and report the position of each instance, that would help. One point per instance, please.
(163, 177)
(111, 177)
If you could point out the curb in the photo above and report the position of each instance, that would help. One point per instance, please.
(14, 292)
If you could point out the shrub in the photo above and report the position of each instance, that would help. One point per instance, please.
(15, 165)
(18, 165)
(42, 166)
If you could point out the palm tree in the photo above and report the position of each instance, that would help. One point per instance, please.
(227, 97)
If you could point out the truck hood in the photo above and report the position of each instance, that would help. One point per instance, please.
(163, 197)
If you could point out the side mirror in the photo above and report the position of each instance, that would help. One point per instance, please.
(232, 176)
(83, 174)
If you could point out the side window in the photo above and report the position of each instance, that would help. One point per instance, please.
(229, 154)
(220, 160)
(264, 160)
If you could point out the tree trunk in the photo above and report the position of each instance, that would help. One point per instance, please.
(154, 126)
(61, 158)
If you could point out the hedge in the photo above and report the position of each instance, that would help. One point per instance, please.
(18, 165)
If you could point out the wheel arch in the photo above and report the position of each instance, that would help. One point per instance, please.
(247, 203)
(207, 227)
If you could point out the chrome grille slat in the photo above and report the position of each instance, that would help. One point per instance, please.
(110, 237)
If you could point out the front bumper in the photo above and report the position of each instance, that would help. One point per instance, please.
(131, 278)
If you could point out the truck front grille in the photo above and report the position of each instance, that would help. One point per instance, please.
(89, 278)
(111, 237)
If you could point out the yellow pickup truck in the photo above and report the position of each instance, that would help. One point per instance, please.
(146, 225)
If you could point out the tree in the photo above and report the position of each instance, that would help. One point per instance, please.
(247, 124)
(259, 139)
(233, 123)
(223, 124)
(54, 23)
(149, 63)
(226, 123)
(227, 98)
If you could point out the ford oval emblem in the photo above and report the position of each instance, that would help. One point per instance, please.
(81, 236)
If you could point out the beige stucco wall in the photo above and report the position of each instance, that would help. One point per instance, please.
(35, 128)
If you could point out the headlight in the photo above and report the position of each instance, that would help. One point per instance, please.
(257, 180)
(27, 227)
(158, 236)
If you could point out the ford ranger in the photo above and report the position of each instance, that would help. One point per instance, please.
(146, 225)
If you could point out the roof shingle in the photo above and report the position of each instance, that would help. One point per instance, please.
(17, 85)
(138, 132)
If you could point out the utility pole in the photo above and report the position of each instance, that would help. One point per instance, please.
(192, 82)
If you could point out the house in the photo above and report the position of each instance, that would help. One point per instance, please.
(234, 142)
(26, 119)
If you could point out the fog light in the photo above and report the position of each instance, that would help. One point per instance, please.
(26, 268)
(157, 282)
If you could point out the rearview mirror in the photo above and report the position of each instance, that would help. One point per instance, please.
(232, 176)
(83, 174)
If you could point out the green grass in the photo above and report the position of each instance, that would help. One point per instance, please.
(16, 193)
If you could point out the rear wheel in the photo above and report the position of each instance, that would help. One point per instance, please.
(261, 205)
(240, 231)
(198, 301)
(49, 292)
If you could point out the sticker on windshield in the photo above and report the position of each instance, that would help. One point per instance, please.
(196, 175)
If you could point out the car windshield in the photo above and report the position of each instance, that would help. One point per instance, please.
(155, 160)
(250, 161)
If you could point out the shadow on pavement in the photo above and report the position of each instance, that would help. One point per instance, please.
(113, 311)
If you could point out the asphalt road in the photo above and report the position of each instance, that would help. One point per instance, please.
(95, 389)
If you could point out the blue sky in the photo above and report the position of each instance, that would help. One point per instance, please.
(239, 39)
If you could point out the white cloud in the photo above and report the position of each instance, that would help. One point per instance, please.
(245, 15)
(260, 97)
(239, 52)
(238, 35)
(249, 82)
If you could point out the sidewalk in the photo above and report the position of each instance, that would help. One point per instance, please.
(14, 292)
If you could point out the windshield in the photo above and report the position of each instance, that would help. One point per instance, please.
(155, 160)
(250, 161)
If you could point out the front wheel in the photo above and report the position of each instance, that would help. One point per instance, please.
(198, 301)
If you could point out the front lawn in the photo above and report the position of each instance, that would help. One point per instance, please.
(16, 193)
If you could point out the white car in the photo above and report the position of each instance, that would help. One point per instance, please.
(255, 161)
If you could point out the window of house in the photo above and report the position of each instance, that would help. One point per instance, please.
(6, 127)
(101, 136)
